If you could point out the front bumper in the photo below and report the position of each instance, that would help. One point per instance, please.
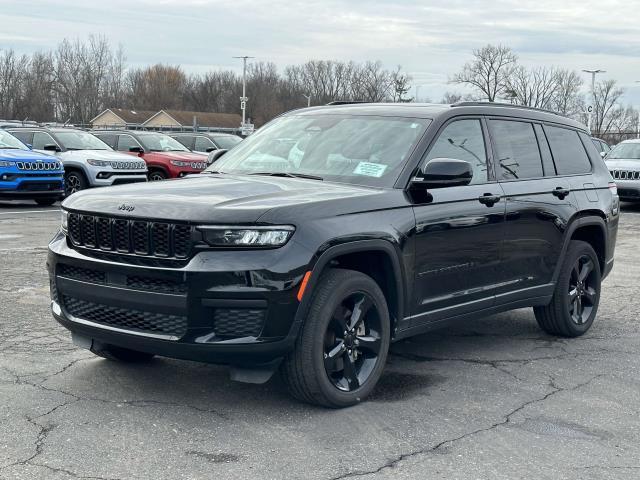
(236, 308)
(107, 178)
(628, 190)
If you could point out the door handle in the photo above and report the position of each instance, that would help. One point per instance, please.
(561, 192)
(489, 199)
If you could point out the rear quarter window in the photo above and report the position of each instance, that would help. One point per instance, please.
(568, 151)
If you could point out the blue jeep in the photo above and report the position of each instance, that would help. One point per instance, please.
(25, 174)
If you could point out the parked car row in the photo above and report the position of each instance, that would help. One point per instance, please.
(82, 159)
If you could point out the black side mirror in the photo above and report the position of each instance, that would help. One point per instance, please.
(210, 149)
(136, 149)
(444, 172)
(52, 147)
(215, 155)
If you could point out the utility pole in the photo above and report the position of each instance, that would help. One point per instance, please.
(308, 97)
(243, 99)
(593, 91)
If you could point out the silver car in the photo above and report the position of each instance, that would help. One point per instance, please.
(623, 162)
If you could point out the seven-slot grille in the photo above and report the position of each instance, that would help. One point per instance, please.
(39, 166)
(625, 174)
(139, 237)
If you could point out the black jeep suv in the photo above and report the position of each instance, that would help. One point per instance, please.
(333, 231)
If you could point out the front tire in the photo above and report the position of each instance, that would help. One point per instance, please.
(575, 301)
(342, 347)
(74, 181)
(156, 175)
(111, 352)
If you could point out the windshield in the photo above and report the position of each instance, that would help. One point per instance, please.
(9, 141)
(79, 140)
(628, 151)
(365, 150)
(227, 142)
(159, 142)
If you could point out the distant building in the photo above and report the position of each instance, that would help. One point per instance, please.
(184, 120)
(121, 118)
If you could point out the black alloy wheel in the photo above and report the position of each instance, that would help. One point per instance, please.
(583, 293)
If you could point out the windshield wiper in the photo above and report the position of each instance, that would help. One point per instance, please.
(288, 175)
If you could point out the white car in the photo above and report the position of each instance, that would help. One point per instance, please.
(87, 160)
(623, 162)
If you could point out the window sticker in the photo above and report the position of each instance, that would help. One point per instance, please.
(370, 169)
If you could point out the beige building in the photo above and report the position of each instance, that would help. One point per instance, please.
(179, 119)
(120, 118)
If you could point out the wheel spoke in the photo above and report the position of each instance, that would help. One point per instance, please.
(573, 294)
(578, 309)
(350, 372)
(360, 309)
(369, 343)
(332, 355)
(586, 269)
(591, 295)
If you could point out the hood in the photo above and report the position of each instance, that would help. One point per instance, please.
(186, 156)
(623, 164)
(216, 198)
(97, 155)
(25, 155)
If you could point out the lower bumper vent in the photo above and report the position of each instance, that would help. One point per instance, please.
(238, 322)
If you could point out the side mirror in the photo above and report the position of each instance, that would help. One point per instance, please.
(210, 149)
(136, 149)
(215, 155)
(52, 147)
(445, 172)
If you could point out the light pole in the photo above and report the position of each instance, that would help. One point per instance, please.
(308, 97)
(243, 99)
(593, 91)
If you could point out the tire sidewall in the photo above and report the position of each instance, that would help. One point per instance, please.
(576, 251)
(357, 283)
(81, 181)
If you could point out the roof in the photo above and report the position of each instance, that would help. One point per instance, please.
(128, 116)
(204, 119)
(433, 110)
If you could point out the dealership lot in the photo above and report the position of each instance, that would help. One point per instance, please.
(495, 398)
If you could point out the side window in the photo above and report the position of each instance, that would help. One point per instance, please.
(568, 152)
(24, 137)
(202, 143)
(185, 140)
(517, 154)
(547, 160)
(40, 139)
(125, 142)
(462, 140)
(108, 138)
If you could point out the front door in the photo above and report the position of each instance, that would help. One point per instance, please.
(459, 231)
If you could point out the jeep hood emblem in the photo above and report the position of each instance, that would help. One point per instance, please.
(127, 208)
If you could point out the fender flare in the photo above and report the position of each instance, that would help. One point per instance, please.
(324, 257)
(579, 222)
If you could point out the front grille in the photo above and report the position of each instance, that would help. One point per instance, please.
(82, 274)
(156, 284)
(238, 322)
(39, 166)
(137, 320)
(139, 237)
(31, 186)
(625, 174)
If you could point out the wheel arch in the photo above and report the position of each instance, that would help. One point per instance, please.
(590, 228)
(387, 272)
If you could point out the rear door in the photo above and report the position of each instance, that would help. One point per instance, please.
(539, 204)
(459, 230)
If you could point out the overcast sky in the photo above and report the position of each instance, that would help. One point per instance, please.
(431, 39)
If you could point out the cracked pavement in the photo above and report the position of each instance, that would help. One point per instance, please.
(491, 399)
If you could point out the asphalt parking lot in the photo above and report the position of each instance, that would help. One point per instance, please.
(492, 399)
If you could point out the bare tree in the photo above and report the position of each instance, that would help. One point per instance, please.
(488, 71)
(400, 85)
(606, 110)
(567, 99)
(535, 87)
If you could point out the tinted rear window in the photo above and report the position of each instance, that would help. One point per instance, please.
(567, 150)
(517, 152)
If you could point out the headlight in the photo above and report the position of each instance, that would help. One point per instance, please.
(98, 163)
(7, 164)
(65, 221)
(178, 163)
(251, 236)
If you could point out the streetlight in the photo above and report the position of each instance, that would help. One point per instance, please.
(308, 97)
(243, 99)
(593, 90)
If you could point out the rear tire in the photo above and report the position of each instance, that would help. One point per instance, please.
(574, 305)
(111, 352)
(46, 202)
(343, 344)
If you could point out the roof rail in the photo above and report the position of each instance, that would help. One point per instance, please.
(507, 105)
(345, 102)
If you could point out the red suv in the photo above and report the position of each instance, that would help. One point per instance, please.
(165, 157)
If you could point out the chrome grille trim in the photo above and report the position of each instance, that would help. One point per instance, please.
(619, 174)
